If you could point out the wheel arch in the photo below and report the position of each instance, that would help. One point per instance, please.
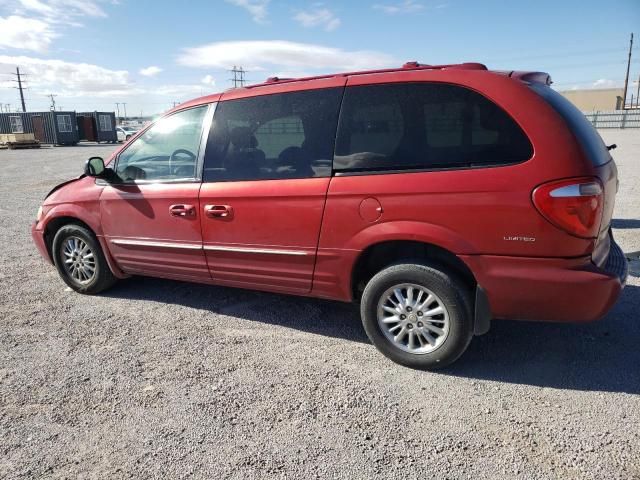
(380, 255)
(57, 222)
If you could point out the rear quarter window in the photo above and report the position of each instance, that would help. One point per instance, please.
(424, 126)
(587, 136)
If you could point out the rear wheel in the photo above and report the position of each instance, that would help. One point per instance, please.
(417, 315)
(80, 261)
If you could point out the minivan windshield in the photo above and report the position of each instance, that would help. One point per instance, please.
(586, 134)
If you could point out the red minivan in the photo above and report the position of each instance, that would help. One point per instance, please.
(436, 197)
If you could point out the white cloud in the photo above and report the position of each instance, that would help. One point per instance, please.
(604, 83)
(281, 55)
(406, 6)
(256, 8)
(208, 80)
(70, 79)
(318, 17)
(182, 91)
(150, 71)
(34, 24)
(25, 33)
(59, 10)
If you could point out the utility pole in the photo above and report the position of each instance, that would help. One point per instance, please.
(118, 110)
(124, 105)
(626, 78)
(238, 76)
(53, 102)
(19, 87)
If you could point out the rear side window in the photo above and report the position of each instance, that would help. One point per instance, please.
(424, 126)
(286, 135)
(582, 129)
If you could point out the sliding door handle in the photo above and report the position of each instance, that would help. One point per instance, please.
(218, 211)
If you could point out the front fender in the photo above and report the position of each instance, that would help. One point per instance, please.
(89, 214)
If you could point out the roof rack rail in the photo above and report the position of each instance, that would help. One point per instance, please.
(411, 65)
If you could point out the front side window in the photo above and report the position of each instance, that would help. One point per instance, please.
(64, 123)
(167, 151)
(16, 124)
(286, 135)
(424, 126)
(105, 123)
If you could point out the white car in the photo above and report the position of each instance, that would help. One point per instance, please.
(125, 133)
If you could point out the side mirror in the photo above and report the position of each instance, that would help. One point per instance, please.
(94, 167)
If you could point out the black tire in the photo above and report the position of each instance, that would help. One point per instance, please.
(101, 279)
(128, 137)
(455, 297)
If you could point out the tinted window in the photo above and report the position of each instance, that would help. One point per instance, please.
(586, 134)
(408, 126)
(167, 151)
(288, 135)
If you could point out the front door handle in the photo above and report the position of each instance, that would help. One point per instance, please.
(218, 211)
(182, 210)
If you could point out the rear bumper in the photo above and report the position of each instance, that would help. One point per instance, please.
(38, 239)
(557, 290)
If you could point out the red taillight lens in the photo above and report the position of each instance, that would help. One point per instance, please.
(573, 205)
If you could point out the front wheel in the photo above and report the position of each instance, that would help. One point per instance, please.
(417, 315)
(80, 261)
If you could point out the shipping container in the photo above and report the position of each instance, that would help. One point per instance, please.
(56, 128)
(97, 126)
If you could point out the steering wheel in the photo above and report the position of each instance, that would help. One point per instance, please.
(182, 151)
(191, 157)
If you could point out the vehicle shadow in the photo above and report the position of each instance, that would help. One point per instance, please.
(322, 317)
(599, 356)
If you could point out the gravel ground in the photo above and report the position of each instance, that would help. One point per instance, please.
(162, 379)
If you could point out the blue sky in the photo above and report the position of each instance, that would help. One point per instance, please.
(93, 53)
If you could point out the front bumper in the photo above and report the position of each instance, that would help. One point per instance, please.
(550, 289)
(38, 238)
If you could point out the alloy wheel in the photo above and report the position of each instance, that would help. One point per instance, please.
(413, 318)
(78, 260)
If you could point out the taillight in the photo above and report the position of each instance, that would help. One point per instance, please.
(574, 205)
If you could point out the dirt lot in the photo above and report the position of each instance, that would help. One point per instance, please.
(162, 379)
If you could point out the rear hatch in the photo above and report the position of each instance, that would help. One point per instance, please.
(598, 154)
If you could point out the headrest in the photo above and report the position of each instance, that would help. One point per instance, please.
(242, 137)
